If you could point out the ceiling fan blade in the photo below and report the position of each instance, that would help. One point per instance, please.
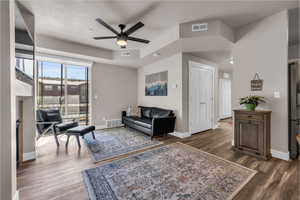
(138, 40)
(105, 37)
(134, 28)
(100, 21)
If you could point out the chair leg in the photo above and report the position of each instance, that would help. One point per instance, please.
(93, 135)
(56, 140)
(78, 141)
(67, 143)
(55, 136)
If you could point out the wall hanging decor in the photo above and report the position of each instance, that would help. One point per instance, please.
(256, 83)
(156, 84)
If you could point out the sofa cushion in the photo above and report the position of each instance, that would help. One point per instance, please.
(161, 113)
(49, 115)
(131, 118)
(54, 115)
(146, 112)
(81, 129)
(66, 125)
(144, 122)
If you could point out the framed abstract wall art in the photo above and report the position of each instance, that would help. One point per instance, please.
(156, 84)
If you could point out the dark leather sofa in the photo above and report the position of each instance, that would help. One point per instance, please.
(153, 121)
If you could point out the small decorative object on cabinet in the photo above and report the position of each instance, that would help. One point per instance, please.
(251, 101)
(252, 132)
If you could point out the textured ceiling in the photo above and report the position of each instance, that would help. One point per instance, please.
(74, 20)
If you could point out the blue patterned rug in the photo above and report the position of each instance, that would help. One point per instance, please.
(114, 142)
(172, 172)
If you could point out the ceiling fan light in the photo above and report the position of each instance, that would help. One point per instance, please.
(122, 42)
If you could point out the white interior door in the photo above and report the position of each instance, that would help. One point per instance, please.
(200, 98)
(225, 98)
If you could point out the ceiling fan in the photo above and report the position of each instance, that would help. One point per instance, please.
(122, 36)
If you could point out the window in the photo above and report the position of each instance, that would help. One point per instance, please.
(64, 87)
(25, 65)
(48, 87)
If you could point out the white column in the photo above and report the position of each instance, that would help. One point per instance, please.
(7, 101)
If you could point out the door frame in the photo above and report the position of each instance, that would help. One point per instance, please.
(212, 69)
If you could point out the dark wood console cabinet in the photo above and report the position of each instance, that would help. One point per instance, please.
(252, 132)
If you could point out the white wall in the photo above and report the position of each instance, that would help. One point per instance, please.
(263, 47)
(113, 89)
(7, 101)
(173, 101)
(29, 129)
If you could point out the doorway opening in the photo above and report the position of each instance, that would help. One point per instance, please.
(201, 97)
(294, 109)
(225, 97)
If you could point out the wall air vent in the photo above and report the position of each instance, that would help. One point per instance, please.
(199, 27)
(112, 123)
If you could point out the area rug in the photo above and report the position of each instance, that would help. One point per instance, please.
(114, 142)
(172, 172)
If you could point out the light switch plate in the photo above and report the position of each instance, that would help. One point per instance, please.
(277, 95)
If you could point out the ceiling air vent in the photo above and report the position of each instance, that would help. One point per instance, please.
(199, 27)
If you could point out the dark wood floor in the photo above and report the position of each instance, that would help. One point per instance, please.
(56, 172)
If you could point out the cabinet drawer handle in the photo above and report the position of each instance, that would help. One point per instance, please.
(250, 116)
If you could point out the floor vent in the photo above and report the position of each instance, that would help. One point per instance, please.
(112, 123)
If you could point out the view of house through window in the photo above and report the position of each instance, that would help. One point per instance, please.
(64, 87)
(25, 65)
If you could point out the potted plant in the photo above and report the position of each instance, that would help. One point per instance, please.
(251, 101)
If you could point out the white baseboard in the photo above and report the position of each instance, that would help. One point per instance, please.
(276, 154)
(216, 125)
(181, 134)
(99, 127)
(16, 197)
(281, 155)
(29, 156)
